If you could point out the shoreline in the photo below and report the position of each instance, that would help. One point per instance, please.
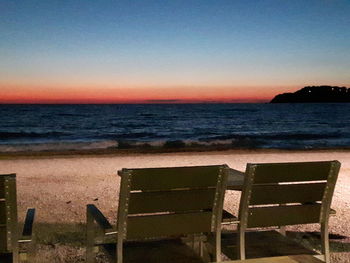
(155, 151)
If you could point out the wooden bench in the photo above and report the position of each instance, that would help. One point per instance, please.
(160, 210)
(278, 195)
(14, 247)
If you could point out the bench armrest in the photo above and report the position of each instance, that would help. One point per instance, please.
(27, 232)
(94, 213)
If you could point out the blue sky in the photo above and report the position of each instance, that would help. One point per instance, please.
(242, 47)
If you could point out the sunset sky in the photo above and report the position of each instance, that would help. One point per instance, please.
(170, 51)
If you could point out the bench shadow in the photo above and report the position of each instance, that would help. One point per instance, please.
(337, 243)
(51, 234)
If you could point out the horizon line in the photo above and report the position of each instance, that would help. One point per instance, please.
(131, 101)
(128, 103)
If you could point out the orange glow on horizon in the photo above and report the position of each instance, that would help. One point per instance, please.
(110, 95)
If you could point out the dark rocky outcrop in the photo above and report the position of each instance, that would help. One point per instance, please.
(315, 94)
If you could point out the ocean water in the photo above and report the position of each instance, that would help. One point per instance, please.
(279, 126)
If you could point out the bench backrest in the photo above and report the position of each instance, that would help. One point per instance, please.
(163, 202)
(8, 214)
(279, 194)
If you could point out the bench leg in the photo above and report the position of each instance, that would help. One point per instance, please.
(325, 242)
(90, 254)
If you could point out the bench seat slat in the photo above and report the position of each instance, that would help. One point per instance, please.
(292, 172)
(171, 201)
(288, 193)
(153, 179)
(167, 225)
(283, 215)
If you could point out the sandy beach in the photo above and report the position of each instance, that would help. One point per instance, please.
(60, 187)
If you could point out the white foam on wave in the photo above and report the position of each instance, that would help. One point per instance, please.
(62, 146)
(161, 143)
(57, 146)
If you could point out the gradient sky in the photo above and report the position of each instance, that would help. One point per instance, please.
(152, 51)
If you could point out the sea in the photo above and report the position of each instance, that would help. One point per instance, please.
(121, 126)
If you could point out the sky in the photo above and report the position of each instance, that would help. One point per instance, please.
(134, 51)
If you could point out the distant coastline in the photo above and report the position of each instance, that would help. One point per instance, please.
(315, 94)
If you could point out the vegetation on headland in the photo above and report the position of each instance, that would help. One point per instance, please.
(315, 94)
